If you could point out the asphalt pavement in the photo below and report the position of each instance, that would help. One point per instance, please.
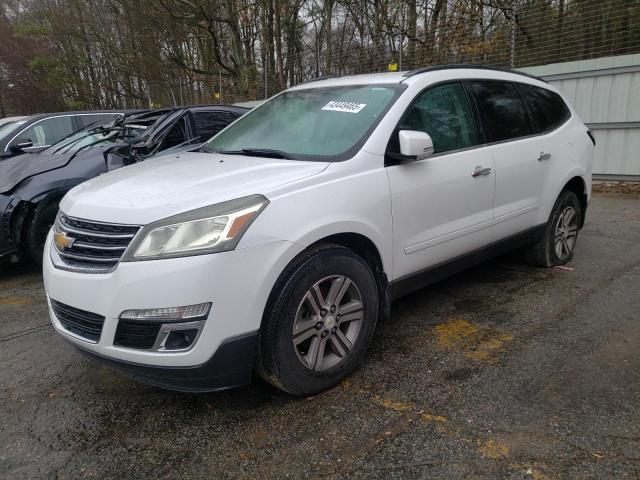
(503, 371)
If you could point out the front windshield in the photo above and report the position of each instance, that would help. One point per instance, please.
(81, 140)
(7, 128)
(310, 124)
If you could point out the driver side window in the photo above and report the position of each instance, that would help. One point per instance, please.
(46, 132)
(444, 113)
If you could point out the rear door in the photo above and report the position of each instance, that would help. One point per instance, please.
(515, 149)
(440, 208)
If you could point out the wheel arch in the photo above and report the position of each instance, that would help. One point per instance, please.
(363, 246)
(367, 249)
(577, 185)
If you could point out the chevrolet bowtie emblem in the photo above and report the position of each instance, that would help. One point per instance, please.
(62, 241)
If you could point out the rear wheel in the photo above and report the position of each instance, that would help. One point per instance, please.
(320, 321)
(557, 245)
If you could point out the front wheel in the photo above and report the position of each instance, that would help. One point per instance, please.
(557, 245)
(37, 226)
(320, 321)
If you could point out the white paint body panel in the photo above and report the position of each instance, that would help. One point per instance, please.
(428, 232)
(417, 215)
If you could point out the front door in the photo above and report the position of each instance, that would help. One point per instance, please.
(442, 206)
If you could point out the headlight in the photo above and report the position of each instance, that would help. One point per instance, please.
(206, 230)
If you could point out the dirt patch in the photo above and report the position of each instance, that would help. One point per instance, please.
(16, 301)
(630, 188)
(478, 342)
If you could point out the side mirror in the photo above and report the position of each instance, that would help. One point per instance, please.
(415, 144)
(21, 146)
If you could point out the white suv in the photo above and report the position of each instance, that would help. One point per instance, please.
(278, 245)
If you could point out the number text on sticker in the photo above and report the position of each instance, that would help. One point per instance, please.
(342, 106)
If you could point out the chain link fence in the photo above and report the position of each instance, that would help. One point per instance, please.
(520, 35)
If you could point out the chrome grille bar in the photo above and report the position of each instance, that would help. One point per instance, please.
(83, 258)
(97, 234)
(99, 247)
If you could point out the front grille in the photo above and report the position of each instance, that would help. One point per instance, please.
(79, 322)
(136, 334)
(96, 246)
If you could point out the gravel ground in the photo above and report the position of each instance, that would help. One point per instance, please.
(504, 371)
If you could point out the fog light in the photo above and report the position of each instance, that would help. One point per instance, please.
(176, 328)
(180, 339)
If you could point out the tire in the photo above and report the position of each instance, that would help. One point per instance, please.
(546, 252)
(299, 368)
(37, 226)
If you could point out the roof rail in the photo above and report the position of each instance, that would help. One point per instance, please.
(435, 68)
(317, 79)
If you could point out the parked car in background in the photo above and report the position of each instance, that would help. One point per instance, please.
(37, 132)
(8, 123)
(280, 243)
(31, 185)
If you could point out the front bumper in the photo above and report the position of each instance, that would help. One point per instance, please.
(236, 283)
(231, 366)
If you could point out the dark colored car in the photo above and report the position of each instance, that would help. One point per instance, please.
(31, 186)
(36, 133)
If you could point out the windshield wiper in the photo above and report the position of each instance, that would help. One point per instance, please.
(84, 147)
(258, 152)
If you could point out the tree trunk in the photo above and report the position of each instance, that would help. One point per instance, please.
(278, 35)
(412, 18)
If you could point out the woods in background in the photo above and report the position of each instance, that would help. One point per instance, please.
(86, 54)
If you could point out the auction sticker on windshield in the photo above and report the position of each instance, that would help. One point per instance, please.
(342, 106)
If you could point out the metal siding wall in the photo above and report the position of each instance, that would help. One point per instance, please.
(617, 152)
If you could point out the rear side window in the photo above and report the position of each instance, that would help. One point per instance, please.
(503, 112)
(210, 123)
(443, 112)
(548, 110)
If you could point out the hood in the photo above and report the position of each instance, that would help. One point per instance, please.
(162, 187)
(17, 169)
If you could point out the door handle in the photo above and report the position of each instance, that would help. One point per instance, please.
(543, 156)
(480, 172)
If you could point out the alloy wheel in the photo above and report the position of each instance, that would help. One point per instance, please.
(566, 233)
(327, 322)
